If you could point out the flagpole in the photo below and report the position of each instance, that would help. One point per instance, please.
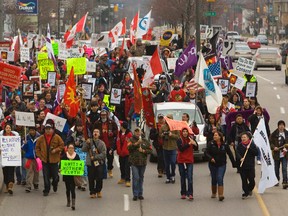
(246, 152)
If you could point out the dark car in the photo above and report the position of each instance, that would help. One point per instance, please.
(284, 52)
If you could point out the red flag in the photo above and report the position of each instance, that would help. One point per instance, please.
(119, 29)
(148, 35)
(133, 28)
(155, 63)
(78, 27)
(148, 107)
(70, 97)
(138, 103)
(122, 48)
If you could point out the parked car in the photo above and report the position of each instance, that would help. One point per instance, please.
(263, 39)
(284, 51)
(253, 43)
(242, 50)
(286, 73)
(267, 57)
(231, 35)
(177, 109)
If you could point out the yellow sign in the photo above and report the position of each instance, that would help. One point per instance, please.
(166, 38)
(45, 66)
(79, 65)
(42, 56)
(106, 100)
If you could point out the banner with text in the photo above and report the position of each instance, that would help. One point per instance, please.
(79, 65)
(10, 75)
(72, 167)
(10, 150)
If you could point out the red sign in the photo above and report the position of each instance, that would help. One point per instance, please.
(5, 45)
(10, 75)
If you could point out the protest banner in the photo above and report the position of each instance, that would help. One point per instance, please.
(61, 89)
(55, 47)
(24, 54)
(11, 150)
(10, 75)
(62, 54)
(115, 96)
(37, 84)
(224, 86)
(51, 78)
(45, 66)
(79, 65)
(25, 119)
(58, 121)
(72, 167)
(42, 56)
(106, 100)
(74, 53)
(236, 81)
(245, 66)
(82, 156)
(251, 89)
(171, 62)
(91, 67)
(88, 90)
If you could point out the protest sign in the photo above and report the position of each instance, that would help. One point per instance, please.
(51, 78)
(7, 56)
(251, 89)
(25, 119)
(115, 97)
(99, 51)
(166, 38)
(42, 56)
(10, 150)
(245, 65)
(93, 81)
(223, 85)
(79, 65)
(73, 53)
(88, 90)
(37, 84)
(82, 156)
(10, 75)
(55, 47)
(61, 89)
(171, 62)
(106, 100)
(58, 121)
(236, 81)
(27, 89)
(62, 54)
(91, 67)
(100, 40)
(72, 167)
(45, 66)
(24, 54)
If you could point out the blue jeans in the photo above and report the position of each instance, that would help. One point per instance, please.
(282, 160)
(186, 172)
(21, 172)
(137, 180)
(258, 154)
(170, 163)
(217, 175)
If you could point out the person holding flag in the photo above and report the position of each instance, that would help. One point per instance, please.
(246, 152)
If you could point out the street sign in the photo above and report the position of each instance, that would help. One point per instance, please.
(228, 48)
(210, 13)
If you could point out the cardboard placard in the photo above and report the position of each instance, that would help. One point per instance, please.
(72, 167)
(115, 96)
(51, 78)
(245, 66)
(10, 75)
(58, 121)
(27, 88)
(24, 54)
(79, 65)
(91, 66)
(251, 89)
(171, 62)
(88, 90)
(25, 119)
(45, 66)
(11, 150)
(224, 86)
(37, 84)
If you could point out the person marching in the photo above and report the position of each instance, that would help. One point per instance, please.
(68, 179)
(279, 146)
(185, 159)
(246, 152)
(138, 148)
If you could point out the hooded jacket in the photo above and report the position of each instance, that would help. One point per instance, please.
(29, 147)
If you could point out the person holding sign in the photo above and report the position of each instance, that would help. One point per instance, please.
(69, 179)
(246, 152)
(8, 171)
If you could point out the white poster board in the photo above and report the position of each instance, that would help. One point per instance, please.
(100, 40)
(92, 80)
(224, 86)
(62, 54)
(240, 82)
(115, 97)
(10, 150)
(228, 48)
(24, 54)
(171, 62)
(58, 121)
(61, 89)
(25, 119)
(74, 53)
(203, 31)
(250, 89)
(245, 65)
(91, 67)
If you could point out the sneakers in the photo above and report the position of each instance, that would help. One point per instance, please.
(173, 180)
(258, 162)
(167, 181)
(285, 185)
(160, 174)
(140, 197)
(250, 193)
(99, 195)
(110, 174)
(244, 196)
(190, 197)
(92, 196)
(135, 198)
(121, 181)
(128, 184)
(28, 189)
(183, 196)
(45, 193)
(55, 188)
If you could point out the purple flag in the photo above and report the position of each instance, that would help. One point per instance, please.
(226, 62)
(187, 59)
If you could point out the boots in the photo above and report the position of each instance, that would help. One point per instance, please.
(68, 201)
(285, 185)
(220, 193)
(73, 204)
(10, 188)
(214, 191)
(6, 189)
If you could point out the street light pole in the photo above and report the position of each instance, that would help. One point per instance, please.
(197, 9)
(58, 25)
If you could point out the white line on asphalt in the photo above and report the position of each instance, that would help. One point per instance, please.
(275, 88)
(116, 159)
(282, 110)
(126, 202)
(278, 97)
(264, 78)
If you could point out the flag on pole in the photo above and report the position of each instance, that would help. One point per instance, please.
(213, 51)
(204, 78)
(193, 84)
(186, 60)
(155, 63)
(50, 48)
(138, 103)
(118, 30)
(17, 46)
(261, 139)
(133, 28)
(78, 27)
(143, 25)
(226, 62)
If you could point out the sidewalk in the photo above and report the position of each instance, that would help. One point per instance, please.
(1, 179)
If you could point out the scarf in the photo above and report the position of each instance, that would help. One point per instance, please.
(71, 157)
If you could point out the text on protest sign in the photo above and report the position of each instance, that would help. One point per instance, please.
(245, 65)
(24, 54)
(74, 53)
(45, 66)
(10, 75)
(171, 62)
(58, 121)
(55, 47)
(72, 167)
(25, 119)
(91, 66)
(42, 56)
(11, 150)
(79, 65)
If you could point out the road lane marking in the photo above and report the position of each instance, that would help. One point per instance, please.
(275, 88)
(126, 202)
(282, 110)
(278, 96)
(264, 78)
(261, 203)
(116, 159)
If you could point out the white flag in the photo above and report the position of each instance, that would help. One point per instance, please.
(204, 78)
(268, 178)
(49, 47)
(143, 25)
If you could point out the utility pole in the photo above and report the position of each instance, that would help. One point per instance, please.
(197, 9)
(2, 17)
(58, 25)
(209, 17)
